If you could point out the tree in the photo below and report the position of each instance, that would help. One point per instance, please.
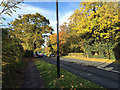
(11, 49)
(63, 42)
(47, 50)
(12, 59)
(29, 30)
(96, 25)
(8, 7)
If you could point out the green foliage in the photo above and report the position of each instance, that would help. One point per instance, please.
(11, 49)
(12, 61)
(117, 51)
(94, 30)
(29, 30)
(82, 55)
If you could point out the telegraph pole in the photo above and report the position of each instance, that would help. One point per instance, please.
(58, 59)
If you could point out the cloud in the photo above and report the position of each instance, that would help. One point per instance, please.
(49, 14)
(28, 9)
(65, 17)
(62, 19)
(51, 0)
(53, 22)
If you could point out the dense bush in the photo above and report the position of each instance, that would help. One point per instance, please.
(12, 51)
(117, 51)
(82, 55)
(12, 61)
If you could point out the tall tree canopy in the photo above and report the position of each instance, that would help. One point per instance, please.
(93, 29)
(29, 30)
(97, 26)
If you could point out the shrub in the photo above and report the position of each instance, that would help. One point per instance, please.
(77, 54)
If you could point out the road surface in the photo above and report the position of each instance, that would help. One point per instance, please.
(105, 78)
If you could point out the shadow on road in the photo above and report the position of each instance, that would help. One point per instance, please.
(105, 78)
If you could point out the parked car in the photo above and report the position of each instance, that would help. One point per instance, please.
(45, 55)
(40, 54)
(52, 55)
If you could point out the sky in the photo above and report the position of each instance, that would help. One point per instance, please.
(47, 9)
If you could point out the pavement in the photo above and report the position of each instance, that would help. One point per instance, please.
(101, 65)
(32, 77)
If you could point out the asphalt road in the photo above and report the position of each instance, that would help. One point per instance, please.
(101, 65)
(105, 78)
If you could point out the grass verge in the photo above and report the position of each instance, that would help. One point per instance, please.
(67, 79)
(92, 59)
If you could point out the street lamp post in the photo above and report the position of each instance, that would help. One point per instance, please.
(58, 59)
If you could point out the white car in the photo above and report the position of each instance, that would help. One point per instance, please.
(40, 54)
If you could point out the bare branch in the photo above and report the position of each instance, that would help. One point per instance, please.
(5, 9)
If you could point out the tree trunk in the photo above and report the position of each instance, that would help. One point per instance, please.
(35, 54)
(94, 11)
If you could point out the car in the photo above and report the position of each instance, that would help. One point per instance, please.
(52, 55)
(45, 55)
(40, 54)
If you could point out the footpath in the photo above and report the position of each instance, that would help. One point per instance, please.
(101, 65)
(32, 77)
